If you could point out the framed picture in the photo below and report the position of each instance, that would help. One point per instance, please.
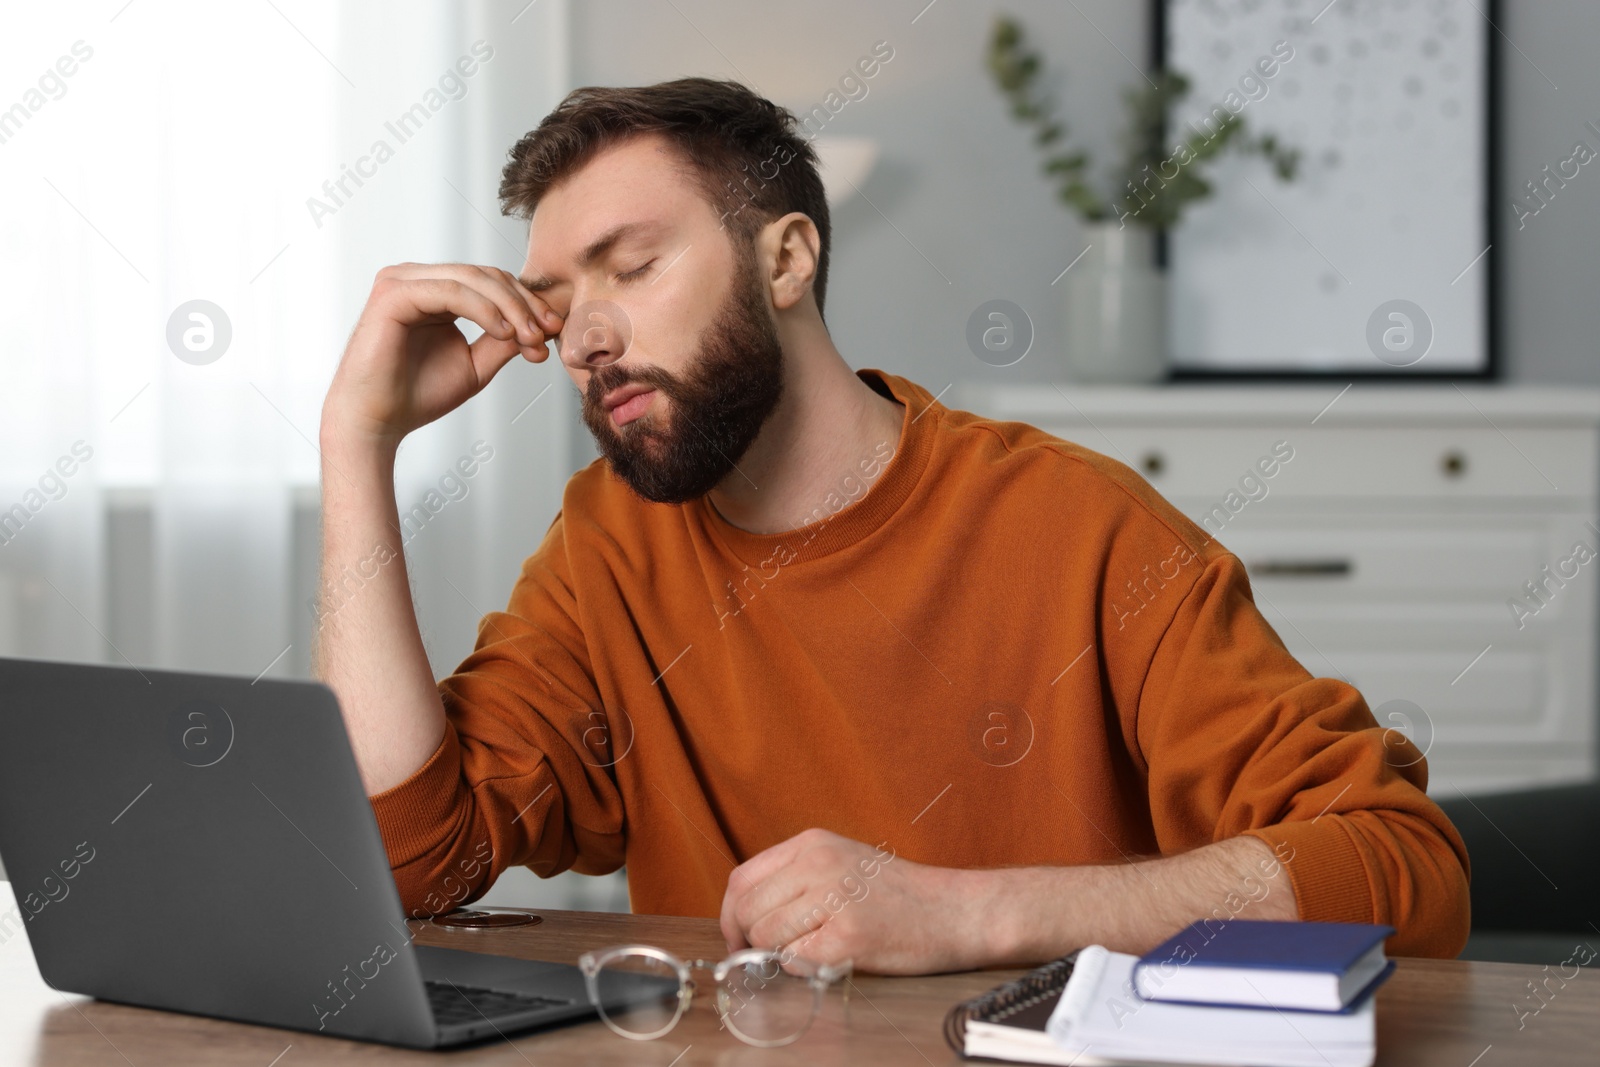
(1375, 258)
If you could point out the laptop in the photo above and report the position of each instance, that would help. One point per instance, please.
(202, 843)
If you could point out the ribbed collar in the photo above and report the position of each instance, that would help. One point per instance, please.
(856, 520)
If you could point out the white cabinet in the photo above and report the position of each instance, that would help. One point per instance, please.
(1390, 550)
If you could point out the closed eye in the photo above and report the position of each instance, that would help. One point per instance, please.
(633, 275)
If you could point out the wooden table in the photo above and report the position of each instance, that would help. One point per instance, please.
(1441, 1012)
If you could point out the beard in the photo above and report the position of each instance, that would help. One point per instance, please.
(713, 411)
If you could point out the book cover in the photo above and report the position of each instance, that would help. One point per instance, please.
(1331, 948)
(1307, 966)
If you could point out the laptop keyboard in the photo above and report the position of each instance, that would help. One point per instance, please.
(456, 1003)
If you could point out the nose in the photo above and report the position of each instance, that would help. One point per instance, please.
(596, 334)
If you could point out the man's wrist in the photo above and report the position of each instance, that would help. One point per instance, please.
(357, 473)
(339, 442)
(1015, 915)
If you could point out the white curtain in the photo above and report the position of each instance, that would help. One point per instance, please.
(153, 496)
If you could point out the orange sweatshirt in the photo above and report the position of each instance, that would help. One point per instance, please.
(989, 647)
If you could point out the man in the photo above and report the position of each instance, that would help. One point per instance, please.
(806, 649)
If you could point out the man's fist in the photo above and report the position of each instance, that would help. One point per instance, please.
(826, 898)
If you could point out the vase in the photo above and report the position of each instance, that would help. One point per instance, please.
(1115, 302)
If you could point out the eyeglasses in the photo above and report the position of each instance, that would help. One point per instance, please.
(641, 992)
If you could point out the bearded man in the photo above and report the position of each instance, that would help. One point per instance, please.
(806, 649)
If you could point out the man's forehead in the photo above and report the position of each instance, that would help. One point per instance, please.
(641, 186)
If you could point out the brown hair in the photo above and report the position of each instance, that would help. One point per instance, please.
(741, 149)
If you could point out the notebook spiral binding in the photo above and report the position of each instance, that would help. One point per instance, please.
(1004, 1001)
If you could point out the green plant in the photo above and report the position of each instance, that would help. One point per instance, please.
(1155, 182)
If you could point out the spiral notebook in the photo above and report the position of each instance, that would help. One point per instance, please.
(1008, 1022)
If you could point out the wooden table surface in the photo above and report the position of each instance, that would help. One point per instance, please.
(1443, 1012)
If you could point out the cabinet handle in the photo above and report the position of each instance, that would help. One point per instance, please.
(1453, 463)
(1300, 568)
(1152, 463)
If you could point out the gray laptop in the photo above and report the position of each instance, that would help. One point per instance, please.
(202, 843)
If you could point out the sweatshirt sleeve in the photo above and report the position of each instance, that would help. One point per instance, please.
(522, 775)
(1239, 738)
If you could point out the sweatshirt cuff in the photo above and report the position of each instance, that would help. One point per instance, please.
(1325, 870)
(410, 814)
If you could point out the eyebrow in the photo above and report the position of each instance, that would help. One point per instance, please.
(597, 248)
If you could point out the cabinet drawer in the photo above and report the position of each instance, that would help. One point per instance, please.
(1506, 697)
(1383, 557)
(1386, 462)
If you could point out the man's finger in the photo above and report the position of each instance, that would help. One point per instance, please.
(789, 922)
(487, 283)
(445, 298)
(491, 354)
(772, 894)
(525, 310)
(543, 314)
(825, 944)
(746, 877)
(763, 863)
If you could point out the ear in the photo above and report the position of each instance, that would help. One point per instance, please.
(790, 248)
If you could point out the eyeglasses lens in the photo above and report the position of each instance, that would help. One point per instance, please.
(764, 1003)
(642, 992)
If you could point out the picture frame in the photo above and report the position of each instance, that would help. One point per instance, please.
(1352, 268)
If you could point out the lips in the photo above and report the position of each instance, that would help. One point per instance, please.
(628, 403)
(622, 394)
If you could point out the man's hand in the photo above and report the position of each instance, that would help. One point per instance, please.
(827, 898)
(408, 364)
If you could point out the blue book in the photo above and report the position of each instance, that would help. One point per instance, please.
(1243, 963)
